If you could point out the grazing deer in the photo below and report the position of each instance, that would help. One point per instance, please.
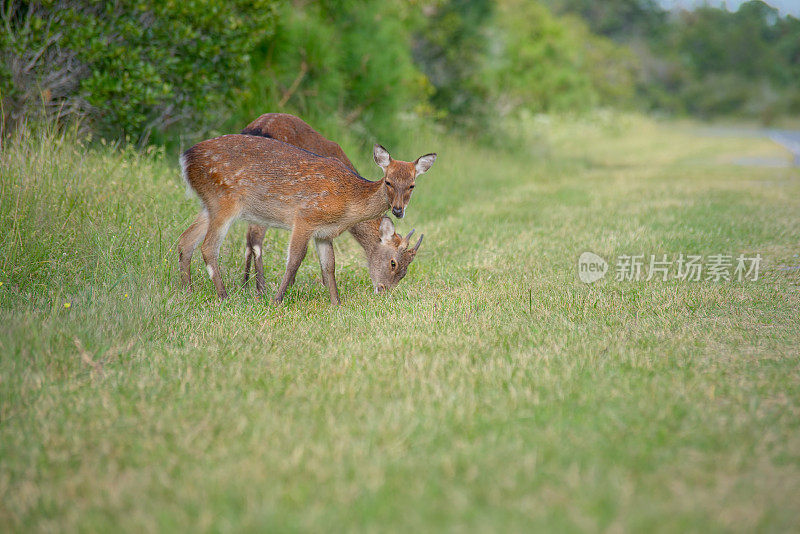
(388, 255)
(272, 183)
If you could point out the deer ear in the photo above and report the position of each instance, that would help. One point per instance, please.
(424, 163)
(387, 229)
(381, 156)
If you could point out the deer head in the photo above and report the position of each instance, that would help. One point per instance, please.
(399, 177)
(389, 260)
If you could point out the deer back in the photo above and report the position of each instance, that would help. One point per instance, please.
(295, 131)
(274, 183)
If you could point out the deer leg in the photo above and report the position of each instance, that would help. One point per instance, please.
(248, 254)
(186, 245)
(327, 263)
(217, 228)
(259, 260)
(298, 245)
(255, 240)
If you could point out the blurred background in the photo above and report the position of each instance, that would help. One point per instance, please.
(171, 72)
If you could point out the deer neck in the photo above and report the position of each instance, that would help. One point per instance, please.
(375, 201)
(367, 234)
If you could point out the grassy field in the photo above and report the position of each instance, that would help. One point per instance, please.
(491, 391)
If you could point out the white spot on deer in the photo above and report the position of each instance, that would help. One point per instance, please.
(210, 270)
(257, 250)
(189, 190)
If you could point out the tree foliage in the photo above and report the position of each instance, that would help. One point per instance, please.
(622, 20)
(338, 61)
(543, 63)
(129, 67)
(141, 69)
(708, 61)
(487, 58)
(452, 46)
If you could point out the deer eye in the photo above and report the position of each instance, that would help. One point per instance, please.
(411, 186)
(394, 264)
(388, 183)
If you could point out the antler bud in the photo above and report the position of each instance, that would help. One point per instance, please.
(416, 247)
(404, 241)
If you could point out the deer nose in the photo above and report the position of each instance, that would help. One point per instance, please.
(379, 288)
(398, 212)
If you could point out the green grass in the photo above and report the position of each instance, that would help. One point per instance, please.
(491, 391)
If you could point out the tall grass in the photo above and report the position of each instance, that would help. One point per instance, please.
(78, 222)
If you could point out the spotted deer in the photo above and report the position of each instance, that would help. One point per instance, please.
(271, 183)
(388, 254)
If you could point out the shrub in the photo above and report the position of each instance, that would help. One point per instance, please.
(341, 65)
(128, 68)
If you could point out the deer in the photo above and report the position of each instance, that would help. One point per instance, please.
(388, 255)
(271, 183)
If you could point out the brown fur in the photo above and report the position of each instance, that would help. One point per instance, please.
(272, 183)
(387, 261)
(297, 132)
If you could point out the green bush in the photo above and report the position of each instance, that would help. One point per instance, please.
(507, 56)
(539, 66)
(129, 68)
(341, 65)
(453, 47)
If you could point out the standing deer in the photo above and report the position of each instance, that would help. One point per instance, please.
(388, 255)
(272, 183)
